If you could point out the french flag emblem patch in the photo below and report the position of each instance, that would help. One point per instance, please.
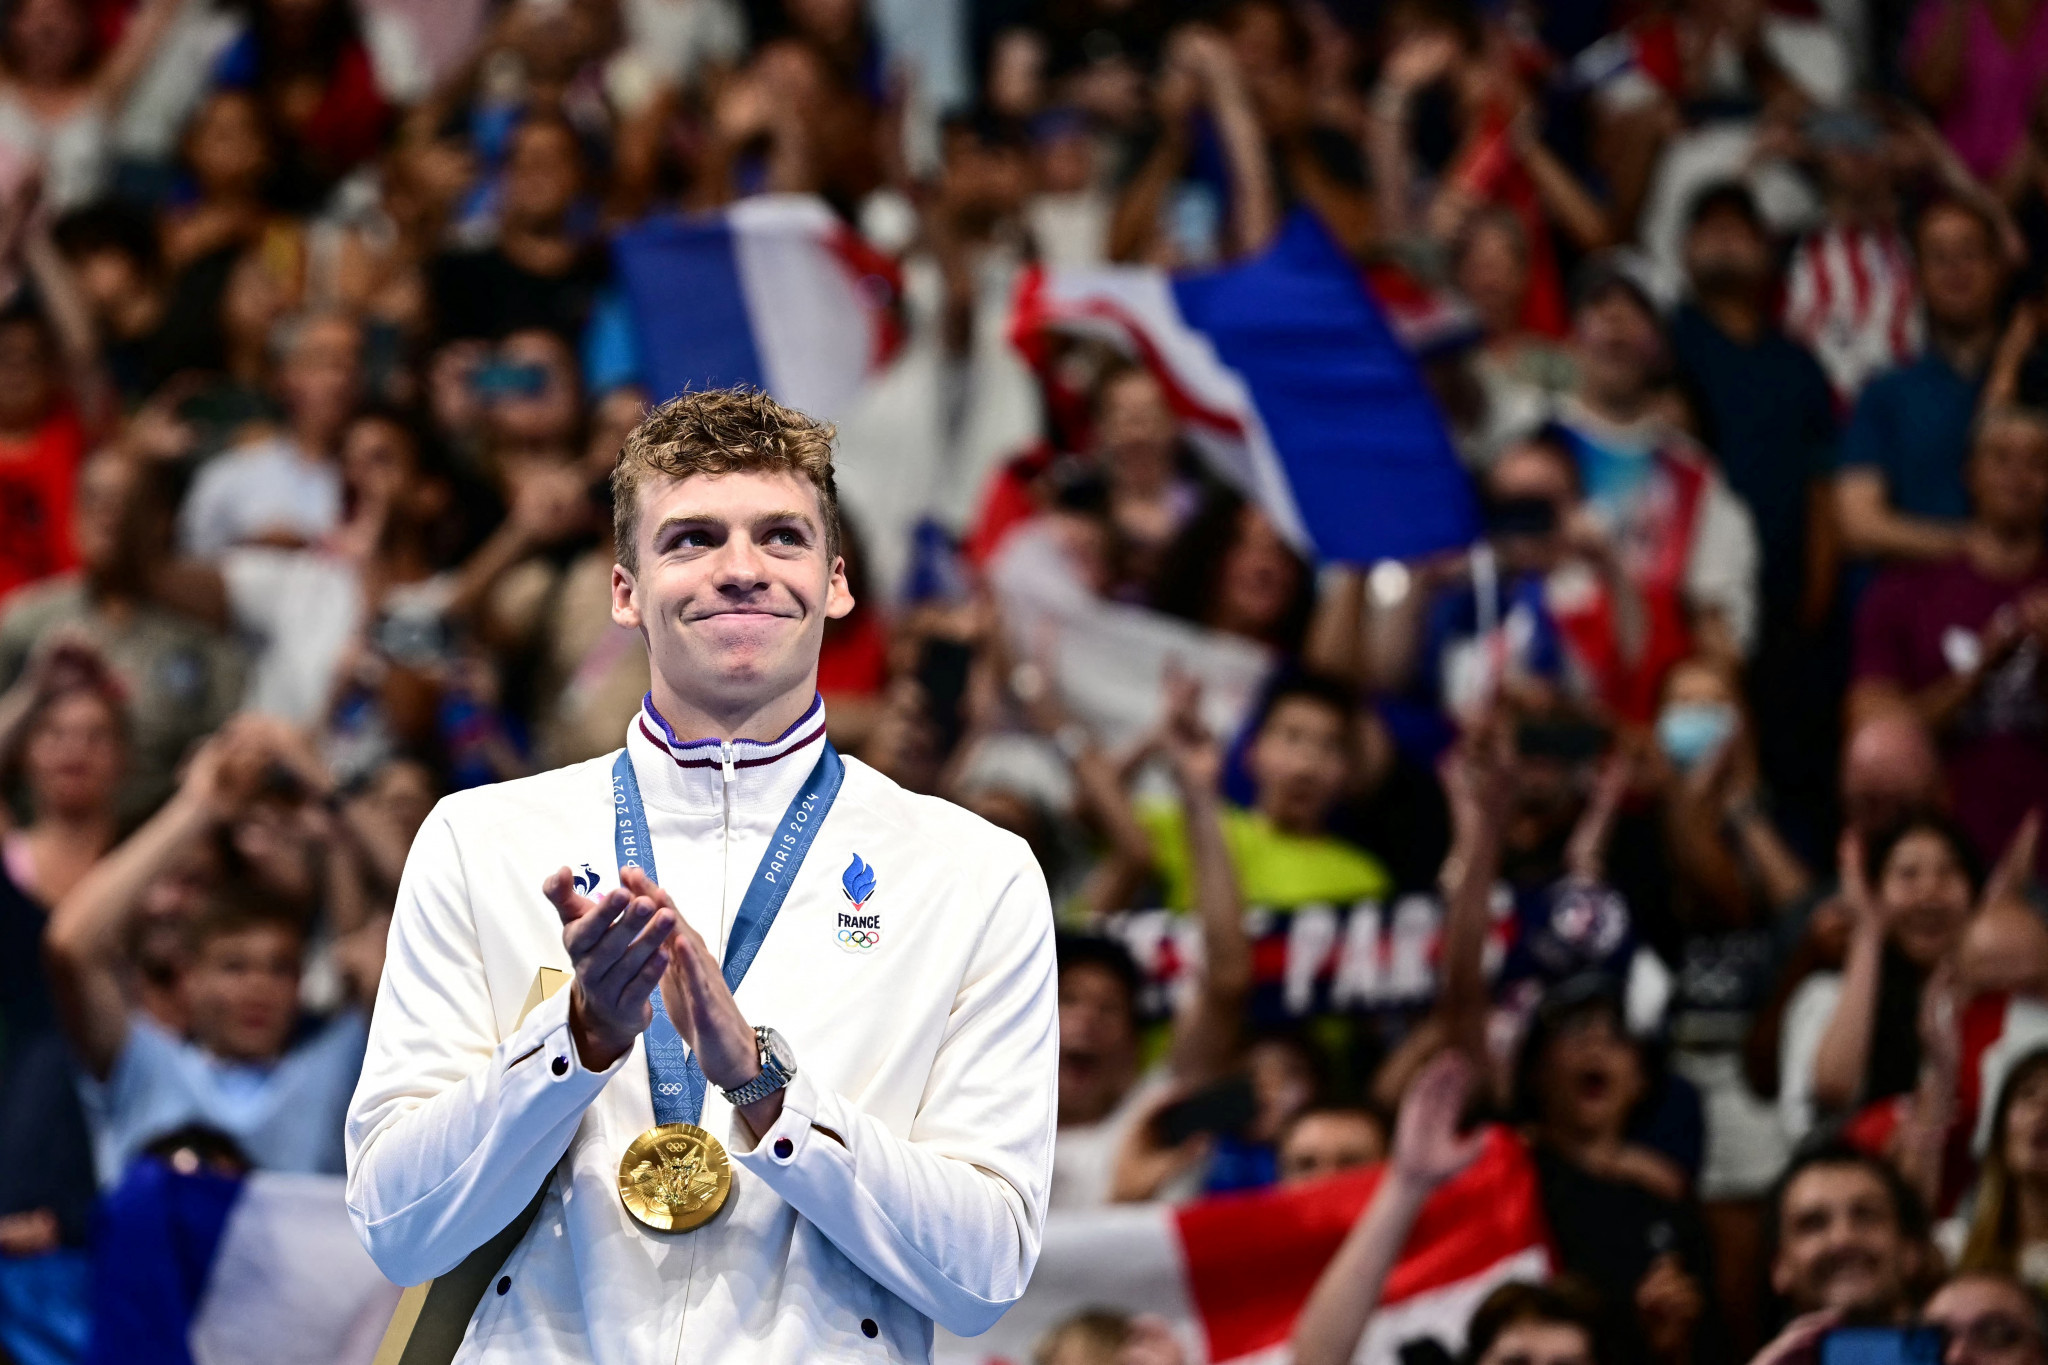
(859, 931)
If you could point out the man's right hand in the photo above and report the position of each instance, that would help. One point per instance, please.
(619, 947)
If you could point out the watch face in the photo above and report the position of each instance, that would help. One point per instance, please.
(778, 1051)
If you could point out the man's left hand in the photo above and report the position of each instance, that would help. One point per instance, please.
(701, 1006)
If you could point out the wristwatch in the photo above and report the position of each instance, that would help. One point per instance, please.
(778, 1067)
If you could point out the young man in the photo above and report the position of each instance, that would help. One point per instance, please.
(1846, 1236)
(243, 1067)
(1900, 491)
(875, 1161)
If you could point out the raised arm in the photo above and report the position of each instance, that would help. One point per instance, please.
(1844, 1055)
(1428, 1150)
(1205, 1035)
(83, 940)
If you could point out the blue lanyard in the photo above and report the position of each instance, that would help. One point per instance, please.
(674, 1076)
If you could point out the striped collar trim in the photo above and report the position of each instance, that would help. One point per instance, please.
(809, 729)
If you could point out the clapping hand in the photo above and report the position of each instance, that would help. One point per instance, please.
(619, 948)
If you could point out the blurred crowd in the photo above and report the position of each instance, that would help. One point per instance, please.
(1686, 822)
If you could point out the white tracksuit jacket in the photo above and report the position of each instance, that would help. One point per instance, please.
(919, 1125)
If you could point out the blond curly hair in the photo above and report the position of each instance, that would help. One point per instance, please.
(721, 431)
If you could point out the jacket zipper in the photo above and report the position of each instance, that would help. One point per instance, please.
(725, 853)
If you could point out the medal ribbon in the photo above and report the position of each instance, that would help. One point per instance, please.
(674, 1076)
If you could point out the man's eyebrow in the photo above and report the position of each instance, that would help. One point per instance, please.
(714, 519)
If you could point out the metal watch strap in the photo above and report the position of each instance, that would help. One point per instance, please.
(770, 1079)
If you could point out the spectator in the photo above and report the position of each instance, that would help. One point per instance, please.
(2008, 1226)
(63, 724)
(1958, 640)
(541, 272)
(1901, 493)
(180, 679)
(42, 444)
(58, 95)
(1853, 1037)
(1980, 74)
(229, 155)
(1206, 1035)
(308, 66)
(284, 489)
(241, 1071)
(1279, 855)
(1560, 623)
(1491, 267)
(1688, 543)
(1620, 1209)
(1230, 569)
(1890, 772)
(1987, 1319)
(1849, 291)
(1558, 1324)
(1764, 409)
(1846, 1235)
(1324, 1139)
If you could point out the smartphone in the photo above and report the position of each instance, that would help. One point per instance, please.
(1225, 1107)
(501, 379)
(1567, 741)
(1882, 1346)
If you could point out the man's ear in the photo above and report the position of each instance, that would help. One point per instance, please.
(1781, 1276)
(838, 597)
(625, 610)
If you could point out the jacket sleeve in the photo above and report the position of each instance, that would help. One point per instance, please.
(949, 1218)
(452, 1128)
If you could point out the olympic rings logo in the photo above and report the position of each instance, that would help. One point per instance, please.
(859, 940)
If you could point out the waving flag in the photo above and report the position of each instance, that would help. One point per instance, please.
(1289, 382)
(1231, 1273)
(773, 291)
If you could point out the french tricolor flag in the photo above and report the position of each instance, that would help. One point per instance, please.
(773, 291)
(1290, 384)
(1231, 1273)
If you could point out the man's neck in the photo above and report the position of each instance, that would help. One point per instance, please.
(1966, 349)
(736, 718)
(1736, 315)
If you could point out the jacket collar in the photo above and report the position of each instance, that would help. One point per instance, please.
(689, 775)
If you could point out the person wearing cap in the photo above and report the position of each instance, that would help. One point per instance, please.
(1689, 543)
(1764, 408)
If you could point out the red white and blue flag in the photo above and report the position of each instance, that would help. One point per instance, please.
(1289, 382)
(1231, 1273)
(773, 291)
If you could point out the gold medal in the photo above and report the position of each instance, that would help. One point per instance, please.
(675, 1177)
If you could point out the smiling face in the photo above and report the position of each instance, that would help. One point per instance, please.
(732, 584)
(1925, 893)
(1840, 1245)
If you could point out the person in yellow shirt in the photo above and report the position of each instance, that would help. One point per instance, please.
(1300, 760)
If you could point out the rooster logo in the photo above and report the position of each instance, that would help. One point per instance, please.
(858, 882)
(585, 881)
